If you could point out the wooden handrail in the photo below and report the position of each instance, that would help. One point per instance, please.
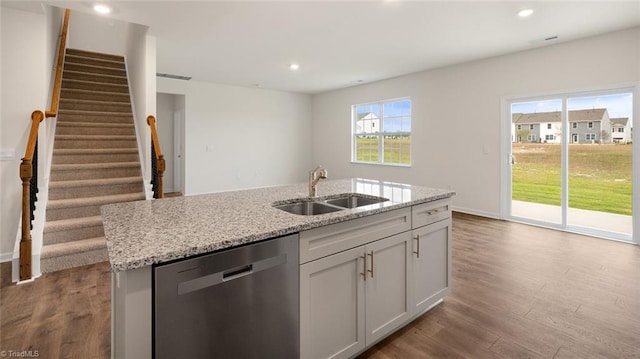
(29, 161)
(55, 98)
(157, 160)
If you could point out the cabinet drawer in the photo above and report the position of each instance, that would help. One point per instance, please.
(430, 212)
(323, 241)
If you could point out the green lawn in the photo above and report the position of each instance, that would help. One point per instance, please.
(599, 176)
(396, 149)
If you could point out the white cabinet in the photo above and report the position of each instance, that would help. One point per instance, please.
(431, 254)
(362, 279)
(431, 264)
(387, 303)
(353, 298)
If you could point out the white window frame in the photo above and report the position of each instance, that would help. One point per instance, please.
(587, 135)
(590, 124)
(380, 134)
(548, 126)
(531, 127)
(531, 137)
(549, 137)
(574, 125)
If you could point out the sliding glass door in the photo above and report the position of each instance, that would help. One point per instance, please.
(571, 163)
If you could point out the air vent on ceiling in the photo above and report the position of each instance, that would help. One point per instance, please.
(172, 76)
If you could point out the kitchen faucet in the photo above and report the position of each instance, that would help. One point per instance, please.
(315, 176)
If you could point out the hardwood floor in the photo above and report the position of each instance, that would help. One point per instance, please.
(518, 292)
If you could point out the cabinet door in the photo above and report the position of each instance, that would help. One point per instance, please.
(332, 306)
(431, 264)
(387, 300)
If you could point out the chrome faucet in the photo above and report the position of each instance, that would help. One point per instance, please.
(315, 176)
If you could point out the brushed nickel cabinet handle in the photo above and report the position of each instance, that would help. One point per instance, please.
(371, 271)
(364, 267)
(417, 251)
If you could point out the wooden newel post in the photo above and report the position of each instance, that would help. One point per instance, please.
(161, 165)
(26, 171)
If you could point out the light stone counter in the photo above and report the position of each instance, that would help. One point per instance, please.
(146, 232)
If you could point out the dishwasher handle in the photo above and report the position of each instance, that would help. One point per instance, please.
(230, 274)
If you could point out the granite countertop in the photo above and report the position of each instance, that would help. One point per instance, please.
(146, 232)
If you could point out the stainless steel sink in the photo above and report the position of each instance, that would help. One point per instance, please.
(314, 206)
(308, 208)
(352, 200)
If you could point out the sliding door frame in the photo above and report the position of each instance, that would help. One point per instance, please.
(506, 161)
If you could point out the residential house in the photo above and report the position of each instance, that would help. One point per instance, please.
(585, 126)
(621, 130)
(367, 123)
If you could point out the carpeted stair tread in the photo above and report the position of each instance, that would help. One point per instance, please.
(94, 78)
(80, 94)
(74, 247)
(94, 201)
(78, 59)
(73, 223)
(90, 151)
(91, 85)
(95, 182)
(98, 55)
(93, 124)
(94, 113)
(96, 137)
(86, 166)
(94, 69)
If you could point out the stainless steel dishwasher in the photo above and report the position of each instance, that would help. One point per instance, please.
(238, 303)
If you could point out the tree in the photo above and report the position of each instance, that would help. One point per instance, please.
(523, 134)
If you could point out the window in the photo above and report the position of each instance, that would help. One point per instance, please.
(519, 127)
(548, 126)
(531, 127)
(574, 125)
(590, 136)
(620, 129)
(549, 137)
(590, 125)
(382, 132)
(531, 137)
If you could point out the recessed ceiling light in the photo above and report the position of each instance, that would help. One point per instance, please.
(102, 9)
(525, 12)
(294, 67)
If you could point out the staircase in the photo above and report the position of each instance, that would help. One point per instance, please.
(95, 159)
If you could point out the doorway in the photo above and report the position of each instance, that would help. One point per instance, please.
(170, 115)
(571, 161)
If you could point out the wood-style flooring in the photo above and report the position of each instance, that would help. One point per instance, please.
(518, 292)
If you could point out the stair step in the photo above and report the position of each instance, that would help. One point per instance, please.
(62, 256)
(96, 55)
(78, 94)
(89, 85)
(84, 60)
(95, 141)
(95, 69)
(94, 187)
(87, 116)
(94, 155)
(92, 105)
(86, 171)
(94, 128)
(73, 229)
(83, 207)
(96, 78)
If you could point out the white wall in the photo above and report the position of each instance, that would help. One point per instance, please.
(97, 33)
(140, 55)
(456, 115)
(24, 78)
(239, 137)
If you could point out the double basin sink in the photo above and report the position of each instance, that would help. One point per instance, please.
(314, 206)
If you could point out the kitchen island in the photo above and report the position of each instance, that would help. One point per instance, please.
(147, 233)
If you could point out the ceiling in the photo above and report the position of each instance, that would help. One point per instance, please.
(340, 44)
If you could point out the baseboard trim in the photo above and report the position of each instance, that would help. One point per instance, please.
(476, 212)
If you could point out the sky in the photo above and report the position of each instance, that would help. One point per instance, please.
(618, 105)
